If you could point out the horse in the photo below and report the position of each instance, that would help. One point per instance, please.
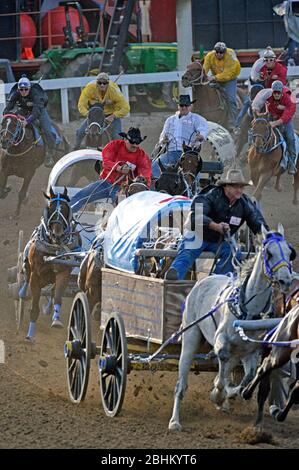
(245, 296)
(97, 135)
(241, 138)
(21, 154)
(264, 158)
(97, 132)
(180, 179)
(171, 181)
(210, 98)
(56, 234)
(282, 349)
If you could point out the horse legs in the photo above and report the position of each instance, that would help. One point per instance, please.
(34, 312)
(277, 183)
(190, 342)
(3, 180)
(268, 364)
(280, 415)
(263, 178)
(61, 281)
(262, 394)
(23, 193)
(221, 348)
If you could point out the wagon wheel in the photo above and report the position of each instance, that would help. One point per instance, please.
(113, 365)
(78, 349)
(20, 303)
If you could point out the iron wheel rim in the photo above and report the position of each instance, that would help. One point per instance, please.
(79, 334)
(113, 383)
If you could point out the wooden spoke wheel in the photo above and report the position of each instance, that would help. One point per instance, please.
(113, 365)
(20, 303)
(78, 348)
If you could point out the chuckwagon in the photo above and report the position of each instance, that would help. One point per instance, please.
(139, 312)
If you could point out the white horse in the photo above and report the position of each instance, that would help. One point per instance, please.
(252, 294)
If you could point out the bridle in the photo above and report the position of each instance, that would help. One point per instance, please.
(269, 271)
(17, 136)
(266, 139)
(200, 80)
(57, 216)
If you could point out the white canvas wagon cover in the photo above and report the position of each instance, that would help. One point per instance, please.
(137, 220)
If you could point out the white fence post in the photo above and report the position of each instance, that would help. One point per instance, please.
(64, 106)
(125, 91)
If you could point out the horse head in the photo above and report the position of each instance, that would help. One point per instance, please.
(278, 255)
(194, 75)
(262, 134)
(12, 130)
(170, 181)
(95, 121)
(58, 215)
(190, 162)
(138, 185)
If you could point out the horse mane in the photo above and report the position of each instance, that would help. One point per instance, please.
(244, 269)
(247, 265)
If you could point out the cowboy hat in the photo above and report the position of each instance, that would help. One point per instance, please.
(133, 135)
(185, 99)
(234, 176)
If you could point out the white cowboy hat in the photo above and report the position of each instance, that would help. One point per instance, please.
(234, 176)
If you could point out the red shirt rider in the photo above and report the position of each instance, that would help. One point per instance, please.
(283, 108)
(269, 75)
(126, 151)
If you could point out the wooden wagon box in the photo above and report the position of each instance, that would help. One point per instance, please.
(151, 308)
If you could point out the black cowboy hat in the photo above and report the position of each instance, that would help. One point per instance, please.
(133, 135)
(185, 99)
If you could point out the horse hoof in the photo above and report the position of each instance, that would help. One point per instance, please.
(274, 411)
(57, 324)
(245, 394)
(29, 339)
(4, 192)
(217, 396)
(174, 426)
(225, 408)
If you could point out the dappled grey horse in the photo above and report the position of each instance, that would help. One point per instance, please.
(245, 297)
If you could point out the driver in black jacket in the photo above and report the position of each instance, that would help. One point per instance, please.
(225, 207)
(32, 100)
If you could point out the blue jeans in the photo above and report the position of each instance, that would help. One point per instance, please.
(288, 133)
(170, 158)
(243, 111)
(99, 190)
(230, 88)
(114, 129)
(46, 125)
(186, 257)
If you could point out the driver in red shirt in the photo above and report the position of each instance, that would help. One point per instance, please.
(121, 158)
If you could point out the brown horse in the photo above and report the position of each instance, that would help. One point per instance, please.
(211, 101)
(21, 154)
(264, 158)
(284, 348)
(56, 234)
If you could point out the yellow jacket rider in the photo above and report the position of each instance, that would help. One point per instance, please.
(108, 94)
(225, 68)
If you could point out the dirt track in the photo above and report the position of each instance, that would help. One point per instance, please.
(35, 410)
